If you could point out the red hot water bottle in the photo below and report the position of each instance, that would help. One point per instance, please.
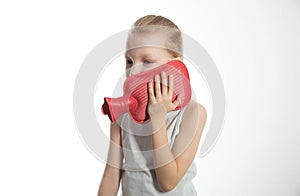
(135, 92)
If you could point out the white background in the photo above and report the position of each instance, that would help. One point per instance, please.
(255, 44)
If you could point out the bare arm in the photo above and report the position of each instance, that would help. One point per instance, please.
(172, 164)
(110, 182)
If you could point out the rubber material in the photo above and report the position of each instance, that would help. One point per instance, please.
(135, 92)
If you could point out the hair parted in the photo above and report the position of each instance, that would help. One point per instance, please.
(173, 38)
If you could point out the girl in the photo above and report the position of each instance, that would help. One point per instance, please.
(160, 163)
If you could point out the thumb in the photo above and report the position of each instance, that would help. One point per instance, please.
(177, 101)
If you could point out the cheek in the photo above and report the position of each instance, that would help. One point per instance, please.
(136, 69)
(150, 66)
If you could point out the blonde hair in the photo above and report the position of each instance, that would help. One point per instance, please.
(173, 34)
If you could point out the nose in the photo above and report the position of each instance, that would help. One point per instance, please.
(135, 69)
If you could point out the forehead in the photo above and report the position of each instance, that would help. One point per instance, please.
(146, 51)
(146, 39)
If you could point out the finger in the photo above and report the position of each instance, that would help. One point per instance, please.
(151, 93)
(171, 85)
(164, 83)
(157, 86)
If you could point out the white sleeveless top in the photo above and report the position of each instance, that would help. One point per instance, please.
(138, 178)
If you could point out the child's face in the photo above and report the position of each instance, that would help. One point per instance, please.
(143, 59)
(146, 51)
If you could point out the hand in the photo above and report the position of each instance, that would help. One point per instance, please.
(160, 101)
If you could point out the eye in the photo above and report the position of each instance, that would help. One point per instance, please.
(128, 61)
(147, 62)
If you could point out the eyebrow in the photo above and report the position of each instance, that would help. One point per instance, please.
(126, 53)
(147, 55)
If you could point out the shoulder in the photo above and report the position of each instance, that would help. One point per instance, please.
(193, 121)
(194, 112)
